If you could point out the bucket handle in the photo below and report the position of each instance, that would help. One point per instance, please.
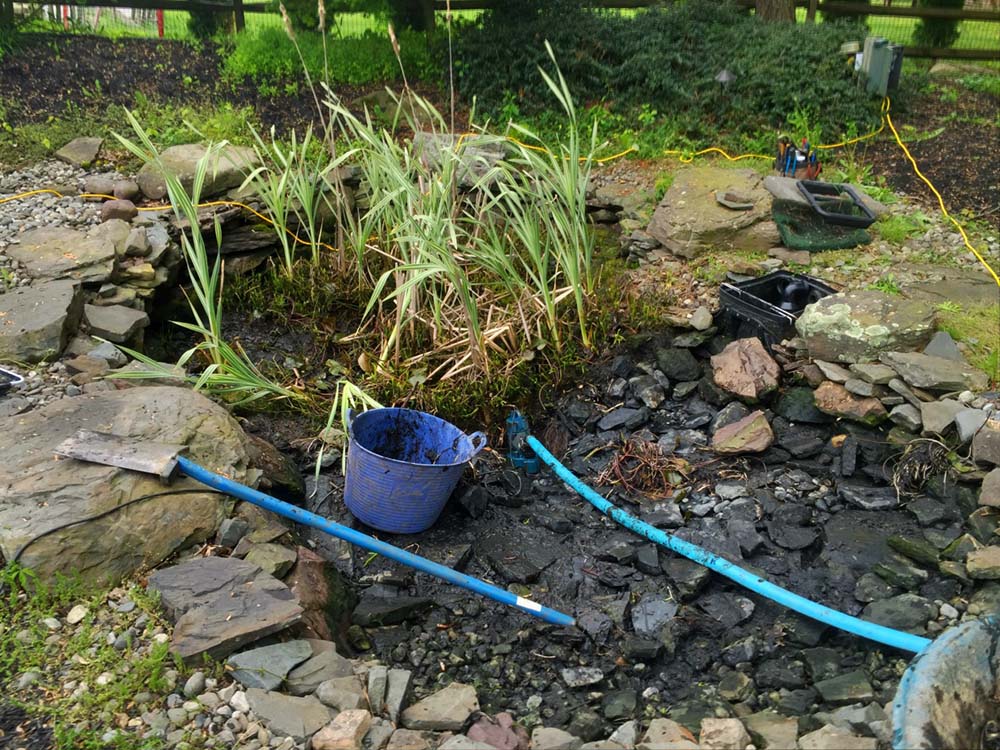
(478, 441)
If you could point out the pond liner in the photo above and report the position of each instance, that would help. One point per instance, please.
(751, 581)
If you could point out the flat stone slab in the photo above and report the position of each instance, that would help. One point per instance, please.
(80, 152)
(226, 170)
(65, 254)
(266, 667)
(37, 321)
(288, 716)
(512, 560)
(690, 222)
(220, 604)
(446, 710)
(116, 323)
(39, 493)
(935, 373)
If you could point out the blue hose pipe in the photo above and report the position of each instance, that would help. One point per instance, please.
(869, 630)
(364, 541)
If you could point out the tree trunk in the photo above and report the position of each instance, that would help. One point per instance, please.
(776, 10)
(6, 14)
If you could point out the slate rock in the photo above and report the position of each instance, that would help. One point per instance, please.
(938, 416)
(752, 434)
(798, 404)
(325, 664)
(701, 319)
(729, 414)
(80, 152)
(986, 443)
(513, 559)
(461, 742)
(728, 609)
(266, 667)
(907, 612)
(689, 577)
(289, 716)
(835, 400)
(935, 373)
(867, 497)
(397, 689)
(651, 613)
(63, 253)
(623, 418)
(37, 321)
(446, 710)
(678, 364)
(968, 422)
(273, 559)
(226, 169)
(224, 606)
(618, 704)
(989, 493)
(858, 326)
(833, 372)
(944, 346)
(38, 493)
(844, 689)
(906, 416)
(115, 323)
(872, 372)
(378, 611)
(745, 369)
(342, 693)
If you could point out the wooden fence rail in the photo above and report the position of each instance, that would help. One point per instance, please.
(238, 8)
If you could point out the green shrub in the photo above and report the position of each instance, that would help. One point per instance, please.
(268, 55)
(937, 32)
(668, 58)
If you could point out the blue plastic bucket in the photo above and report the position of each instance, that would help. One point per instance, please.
(402, 465)
(945, 698)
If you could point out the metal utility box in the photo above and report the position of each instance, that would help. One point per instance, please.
(881, 63)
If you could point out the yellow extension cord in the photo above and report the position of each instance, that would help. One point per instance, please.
(684, 157)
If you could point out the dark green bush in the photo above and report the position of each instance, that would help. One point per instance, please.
(203, 24)
(667, 59)
(937, 32)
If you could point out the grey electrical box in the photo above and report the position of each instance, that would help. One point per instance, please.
(877, 64)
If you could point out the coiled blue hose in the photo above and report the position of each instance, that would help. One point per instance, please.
(364, 541)
(869, 630)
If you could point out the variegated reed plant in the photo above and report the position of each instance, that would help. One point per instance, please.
(227, 370)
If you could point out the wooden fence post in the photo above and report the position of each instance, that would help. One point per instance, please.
(811, 13)
(238, 15)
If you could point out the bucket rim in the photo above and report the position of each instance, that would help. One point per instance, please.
(353, 442)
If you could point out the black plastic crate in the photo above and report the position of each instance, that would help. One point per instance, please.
(8, 380)
(837, 203)
(767, 307)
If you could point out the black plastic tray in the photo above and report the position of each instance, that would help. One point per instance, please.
(754, 307)
(8, 380)
(825, 196)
